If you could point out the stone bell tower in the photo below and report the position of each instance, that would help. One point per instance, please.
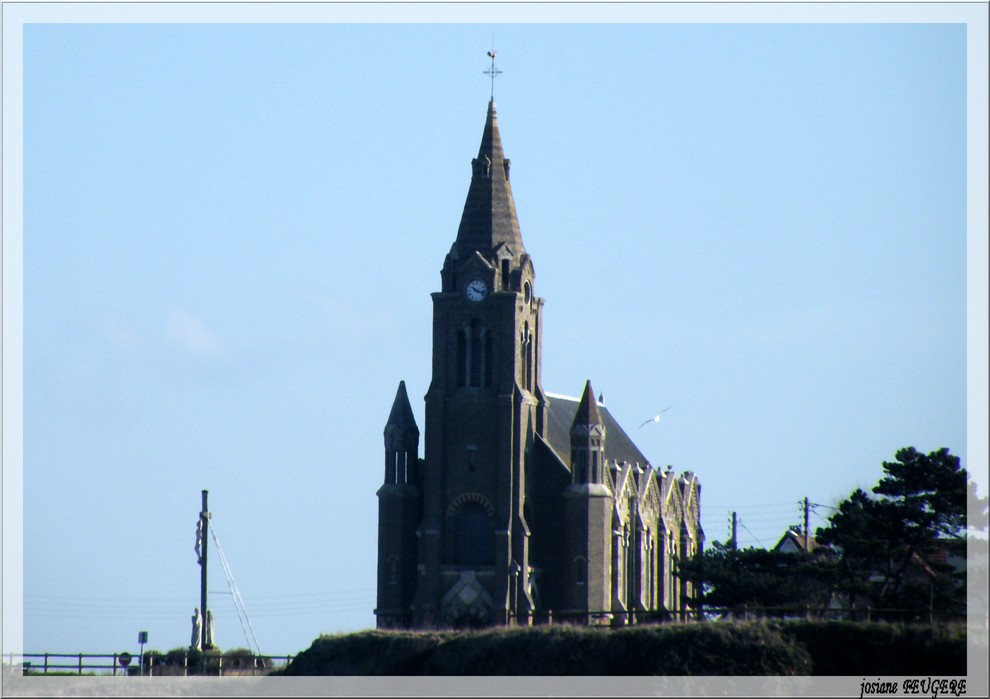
(483, 410)
(526, 507)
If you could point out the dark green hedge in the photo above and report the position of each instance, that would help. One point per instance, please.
(848, 648)
(649, 650)
(725, 649)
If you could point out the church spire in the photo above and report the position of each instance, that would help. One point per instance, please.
(489, 217)
(587, 413)
(401, 415)
(588, 441)
(401, 440)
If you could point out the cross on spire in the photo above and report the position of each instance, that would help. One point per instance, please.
(493, 71)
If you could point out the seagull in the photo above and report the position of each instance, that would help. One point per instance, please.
(655, 418)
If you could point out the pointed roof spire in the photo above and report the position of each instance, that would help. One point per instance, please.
(587, 413)
(402, 414)
(489, 216)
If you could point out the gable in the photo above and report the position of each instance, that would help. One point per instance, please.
(560, 416)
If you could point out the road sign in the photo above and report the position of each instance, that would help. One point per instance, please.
(125, 659)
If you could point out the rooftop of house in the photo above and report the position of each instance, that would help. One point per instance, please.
(793, 540)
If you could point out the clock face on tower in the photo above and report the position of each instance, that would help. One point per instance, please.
(476, 290)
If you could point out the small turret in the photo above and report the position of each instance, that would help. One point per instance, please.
(588, 441)
(588, 507)
(401, 441)
(399, 508)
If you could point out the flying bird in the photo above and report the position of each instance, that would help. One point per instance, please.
(655, 418)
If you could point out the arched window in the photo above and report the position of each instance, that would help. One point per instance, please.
(488, 359)
(476, 353)
(462, 346)
(526, 345)
(651, 574)
(580, 466)
(472, 535)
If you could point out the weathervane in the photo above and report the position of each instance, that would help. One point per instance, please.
(493, 71)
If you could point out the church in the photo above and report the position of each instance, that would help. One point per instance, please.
(527, 506)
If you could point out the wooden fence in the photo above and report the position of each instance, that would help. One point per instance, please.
(153, 665)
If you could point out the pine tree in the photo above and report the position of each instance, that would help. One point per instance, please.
(893, 545)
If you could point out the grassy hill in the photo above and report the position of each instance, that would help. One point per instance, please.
(753, 648)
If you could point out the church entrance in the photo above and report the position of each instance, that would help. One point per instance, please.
(467, 605)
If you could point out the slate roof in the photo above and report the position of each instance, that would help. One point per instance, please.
(401, 414)
(618, 445)
(489, 216)
(587, 412)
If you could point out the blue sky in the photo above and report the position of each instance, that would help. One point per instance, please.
(231, 233)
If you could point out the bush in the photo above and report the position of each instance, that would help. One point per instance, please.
(877, 648)
(690, 649)
(647, 650)
(772, 648)
(365, 653)
(182, 661)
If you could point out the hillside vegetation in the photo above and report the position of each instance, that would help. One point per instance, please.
(753, 648)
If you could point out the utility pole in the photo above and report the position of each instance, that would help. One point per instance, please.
(204, 524)
(735, 545)
(806, 526)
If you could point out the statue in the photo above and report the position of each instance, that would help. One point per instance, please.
(197, 630)
(209, 629)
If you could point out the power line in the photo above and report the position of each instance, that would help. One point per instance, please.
(106, 604)
(766, 520)
(752, 534)
(779, 505)
(164, 608)
(364, 591)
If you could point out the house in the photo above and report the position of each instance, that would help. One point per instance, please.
(795, 541)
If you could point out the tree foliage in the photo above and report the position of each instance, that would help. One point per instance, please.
(754, 577)
(892, 548)
(894, 545)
